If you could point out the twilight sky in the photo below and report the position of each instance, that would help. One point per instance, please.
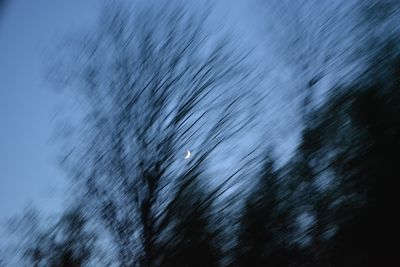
(28, 169)
(28, 172)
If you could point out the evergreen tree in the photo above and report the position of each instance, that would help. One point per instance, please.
(262, 226)
(191, 239)
(355, 136)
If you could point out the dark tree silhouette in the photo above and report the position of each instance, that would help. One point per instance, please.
(192, 240)
(354, 137)
(69, 242)
(153, 82)
(262, 230)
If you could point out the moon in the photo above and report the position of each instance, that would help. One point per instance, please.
(187, 154)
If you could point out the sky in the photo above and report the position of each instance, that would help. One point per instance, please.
(28, 168)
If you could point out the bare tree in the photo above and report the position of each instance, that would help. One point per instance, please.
(153, 83)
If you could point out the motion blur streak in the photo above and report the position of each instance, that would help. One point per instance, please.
(150, 80)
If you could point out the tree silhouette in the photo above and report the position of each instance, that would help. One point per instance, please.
(261, 240)
(68, 242)
(192, 240)
(355, 138)
(153, 82)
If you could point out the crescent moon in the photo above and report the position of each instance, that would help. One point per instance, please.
(187, 154)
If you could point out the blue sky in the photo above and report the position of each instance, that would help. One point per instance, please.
(28, 173)
(28, 167)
